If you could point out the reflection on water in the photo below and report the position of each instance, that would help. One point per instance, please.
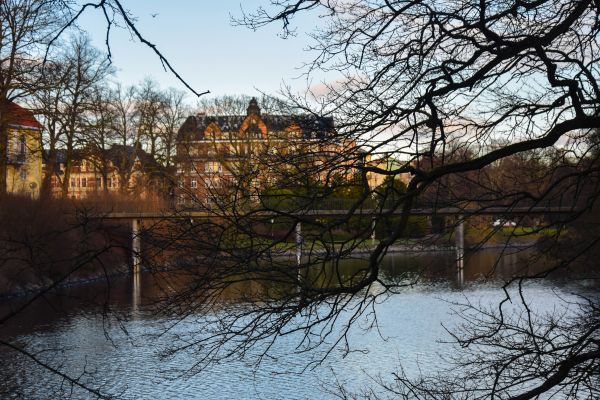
(120, 350)
(136, 289)
(460, 279)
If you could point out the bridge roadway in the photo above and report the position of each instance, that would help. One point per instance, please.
(444, 211)
(137, 217)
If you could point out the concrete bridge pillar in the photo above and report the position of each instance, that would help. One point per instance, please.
(136, 245)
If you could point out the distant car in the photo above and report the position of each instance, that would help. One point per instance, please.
(500, 222)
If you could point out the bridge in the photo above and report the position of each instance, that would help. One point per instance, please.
(507, 212)
(444, 211)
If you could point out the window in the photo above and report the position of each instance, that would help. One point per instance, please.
(83, 182)
(23, 174)
(194, 184)
(22, 145)
(213, 183)
(98, 182)
(109, 182)
(15, 144)
(72, 182)
(78, 182)
(213, 167)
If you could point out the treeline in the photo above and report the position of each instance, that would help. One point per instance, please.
(82, 109)
(540, 177)
(50, 66)
(70, 86)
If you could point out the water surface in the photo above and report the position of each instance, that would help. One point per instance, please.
(121, 356)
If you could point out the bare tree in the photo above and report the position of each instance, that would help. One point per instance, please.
(100, 135)
(28, 31)
(66, 99)
(437, 84)
(61, 81)
(174, 113)
(46, 101)
(124, 105)
(26, 27)
(149, 107)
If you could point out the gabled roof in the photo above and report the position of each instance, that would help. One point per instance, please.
(121, 157)
(19, 116)
(309, 126)
(61, 155)
(124, 157)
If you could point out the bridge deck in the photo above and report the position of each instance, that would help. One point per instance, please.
(445, 211)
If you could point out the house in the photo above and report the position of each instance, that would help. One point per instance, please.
(23, 151)
(122, 170)
(218, 156)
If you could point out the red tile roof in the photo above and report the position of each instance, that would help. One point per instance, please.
(20, 116)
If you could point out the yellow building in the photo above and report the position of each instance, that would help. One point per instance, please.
(386, 164)
(24, 152)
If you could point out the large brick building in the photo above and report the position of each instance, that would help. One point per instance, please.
(240, 155)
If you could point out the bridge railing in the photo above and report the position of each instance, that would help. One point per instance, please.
(299, 205)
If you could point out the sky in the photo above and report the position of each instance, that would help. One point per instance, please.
(199, 41)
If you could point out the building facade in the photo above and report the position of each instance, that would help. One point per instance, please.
(235, 156)
(120, 170)
(24, 152)
(387, 164)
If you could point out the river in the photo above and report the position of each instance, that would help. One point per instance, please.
(70, 331)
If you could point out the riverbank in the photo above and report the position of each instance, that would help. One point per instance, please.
(312, 249)
(430, 244)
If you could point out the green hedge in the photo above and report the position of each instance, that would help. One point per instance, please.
(416, 226)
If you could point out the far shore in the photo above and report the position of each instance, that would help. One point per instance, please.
(363, 248)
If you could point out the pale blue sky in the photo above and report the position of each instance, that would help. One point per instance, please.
(200, 42)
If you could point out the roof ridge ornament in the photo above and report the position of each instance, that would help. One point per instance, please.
(253, 107)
